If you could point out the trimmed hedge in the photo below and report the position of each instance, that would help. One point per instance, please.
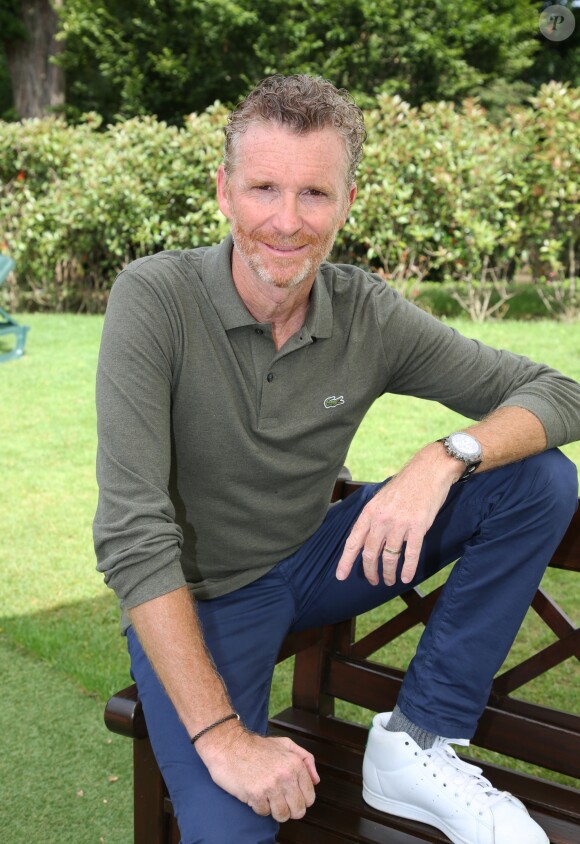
(444, 194)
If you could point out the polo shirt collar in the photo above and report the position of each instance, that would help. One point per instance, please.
(218, 281)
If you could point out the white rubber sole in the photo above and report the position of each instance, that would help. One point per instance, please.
(412, 813)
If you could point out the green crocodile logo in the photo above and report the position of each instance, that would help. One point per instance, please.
(333, 401)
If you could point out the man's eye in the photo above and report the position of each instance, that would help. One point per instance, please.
(316, 193)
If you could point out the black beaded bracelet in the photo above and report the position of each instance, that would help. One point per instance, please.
(215, 724)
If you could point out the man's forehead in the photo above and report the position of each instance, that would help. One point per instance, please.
(267, 145)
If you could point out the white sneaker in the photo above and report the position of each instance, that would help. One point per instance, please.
(435, 787)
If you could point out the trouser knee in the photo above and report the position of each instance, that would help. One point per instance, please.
(553, 481)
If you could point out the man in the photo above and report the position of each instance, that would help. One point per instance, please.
(231, 382)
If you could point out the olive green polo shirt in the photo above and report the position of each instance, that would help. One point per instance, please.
(217, 454)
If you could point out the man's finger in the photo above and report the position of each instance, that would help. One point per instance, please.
(308, 759)
(260, 807)
(279, 808)
(306, 786)
(412, 554)
(390, 558)
(352, 547)
(371, 554)
(300, 795)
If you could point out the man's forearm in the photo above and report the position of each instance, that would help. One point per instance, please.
(272, 775)
(169, 631)
(404, 509)
(507, 435)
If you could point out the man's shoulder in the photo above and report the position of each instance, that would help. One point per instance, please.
(168, 275)
(170, 261)
(348, 273)
(359, 293)
(348, 282)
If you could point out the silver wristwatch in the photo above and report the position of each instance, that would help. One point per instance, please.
(464, 447)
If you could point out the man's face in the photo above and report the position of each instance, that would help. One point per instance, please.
(286, 199)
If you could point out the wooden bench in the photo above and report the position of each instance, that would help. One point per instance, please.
(331, 665)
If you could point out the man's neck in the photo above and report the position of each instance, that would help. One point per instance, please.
(284, 308)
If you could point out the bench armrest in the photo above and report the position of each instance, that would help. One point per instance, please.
(124, 714)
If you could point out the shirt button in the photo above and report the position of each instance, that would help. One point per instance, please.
(270, 377)
(259, 331)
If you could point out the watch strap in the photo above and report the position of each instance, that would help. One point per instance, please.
(469, 470)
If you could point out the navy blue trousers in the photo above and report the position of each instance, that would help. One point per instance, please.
(501, 526)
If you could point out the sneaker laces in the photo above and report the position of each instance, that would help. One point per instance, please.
(466, 779)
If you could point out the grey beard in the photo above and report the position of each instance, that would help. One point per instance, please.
(268, 279)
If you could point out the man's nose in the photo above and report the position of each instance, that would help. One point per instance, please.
(287, 219)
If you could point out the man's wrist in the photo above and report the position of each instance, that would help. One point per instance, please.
(230, 717)
(442, 463)
(213, 743)
(466, 449)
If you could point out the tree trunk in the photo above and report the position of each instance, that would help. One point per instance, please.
(37, 83)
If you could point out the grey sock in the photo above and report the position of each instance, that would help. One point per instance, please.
(399, 723)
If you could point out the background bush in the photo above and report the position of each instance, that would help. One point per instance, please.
(445, 194)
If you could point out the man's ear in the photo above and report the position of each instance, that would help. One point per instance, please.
(222, 192)
(351, 197)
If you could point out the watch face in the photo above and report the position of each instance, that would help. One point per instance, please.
(465, 444)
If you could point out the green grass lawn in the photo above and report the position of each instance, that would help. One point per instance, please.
(60, 649)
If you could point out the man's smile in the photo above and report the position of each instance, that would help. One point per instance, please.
(285, 251)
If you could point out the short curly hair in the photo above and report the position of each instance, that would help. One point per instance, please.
(304, 104)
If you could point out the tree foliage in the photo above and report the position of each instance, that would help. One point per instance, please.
(162, 57)
(171, 57)
(427, 51)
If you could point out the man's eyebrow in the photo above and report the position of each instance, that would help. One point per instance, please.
(256, 181)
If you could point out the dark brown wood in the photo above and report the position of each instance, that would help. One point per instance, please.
(552, 615)
(538, 664)
(296, 642)
(332, 665)
(535, 741)
(567, 554)
(124, 714)
(309, 671)
(344, 635)
(151, 823)
(418, 610)
(348, 487)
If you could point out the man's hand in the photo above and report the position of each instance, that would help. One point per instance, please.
(401, 512)
(274, 776)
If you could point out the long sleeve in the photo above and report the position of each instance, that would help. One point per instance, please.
(428, 359)
(137, 539)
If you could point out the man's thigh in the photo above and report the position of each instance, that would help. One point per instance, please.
(322, 599)
(243, 632)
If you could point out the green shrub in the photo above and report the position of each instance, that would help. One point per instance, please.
(78, 204)
(435, 196)
(445, 194)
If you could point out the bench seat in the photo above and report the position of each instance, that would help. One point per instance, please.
(338, 747)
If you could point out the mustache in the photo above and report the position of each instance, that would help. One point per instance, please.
(279, 241)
